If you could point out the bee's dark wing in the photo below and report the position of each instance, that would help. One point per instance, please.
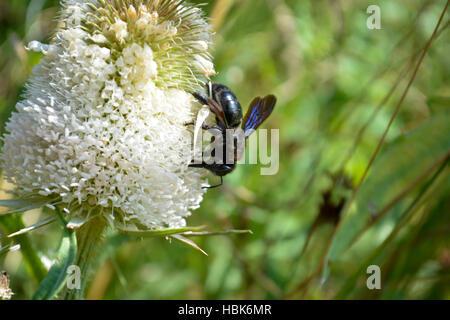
(218, 111)
(213, 106)
(258, 111)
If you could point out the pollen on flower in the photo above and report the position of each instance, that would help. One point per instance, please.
(101, 126)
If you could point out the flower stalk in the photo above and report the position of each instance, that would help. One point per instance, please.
(89, 237)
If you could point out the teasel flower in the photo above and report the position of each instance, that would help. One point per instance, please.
(99, 134)
(100, 129)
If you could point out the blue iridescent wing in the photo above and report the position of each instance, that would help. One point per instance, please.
(258, 111)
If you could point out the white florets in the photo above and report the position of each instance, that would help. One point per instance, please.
(95, 125)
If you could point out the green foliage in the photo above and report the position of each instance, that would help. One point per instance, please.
(334, 78)
(56, 278)
(399, 166)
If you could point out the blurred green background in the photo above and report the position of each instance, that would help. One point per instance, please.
(337, 84)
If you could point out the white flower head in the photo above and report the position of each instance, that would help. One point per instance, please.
(101, 127)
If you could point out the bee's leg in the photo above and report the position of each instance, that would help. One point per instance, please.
(214, 128)
(212, 187)
(198, 165)
(204, 126)
(201, 98)
(205, 166)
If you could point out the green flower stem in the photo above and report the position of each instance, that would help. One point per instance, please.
(32, 262)
(88, 239)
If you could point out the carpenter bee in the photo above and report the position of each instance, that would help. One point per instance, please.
(228, 112)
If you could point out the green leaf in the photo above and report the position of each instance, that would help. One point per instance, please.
(215, 233)
(160, 233)
(23, 204)
(396, 169)
(57, 275)
(17, 203)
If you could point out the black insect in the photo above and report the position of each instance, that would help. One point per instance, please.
(227, 109)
